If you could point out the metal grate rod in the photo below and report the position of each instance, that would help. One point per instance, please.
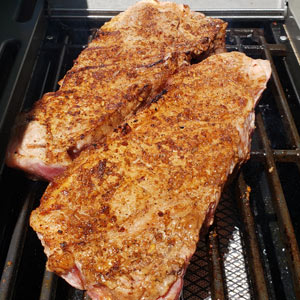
(255, 260)
(15, 250)
(60, 62)
(216, 270)
(48, 286)
(279, 155)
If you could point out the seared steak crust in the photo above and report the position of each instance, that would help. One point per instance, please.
(124, 219)
(122, 69)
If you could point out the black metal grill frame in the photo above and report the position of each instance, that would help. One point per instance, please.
(262, 216)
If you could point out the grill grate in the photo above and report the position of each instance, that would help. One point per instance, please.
(250, 251)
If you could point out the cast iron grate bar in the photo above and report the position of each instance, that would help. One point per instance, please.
(253, 251)
(49, 284)
(15, 250)
(279, 155)
(60, 62)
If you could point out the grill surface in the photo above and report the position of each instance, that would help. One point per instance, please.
(250, 252)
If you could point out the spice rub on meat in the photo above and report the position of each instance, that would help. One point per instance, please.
(121, 70)
(123, 221)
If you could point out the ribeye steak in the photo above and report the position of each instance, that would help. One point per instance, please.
(123, 221)
(121, 70)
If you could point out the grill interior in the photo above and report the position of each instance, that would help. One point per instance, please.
(251, 251)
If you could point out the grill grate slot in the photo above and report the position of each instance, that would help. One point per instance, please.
(241, 257)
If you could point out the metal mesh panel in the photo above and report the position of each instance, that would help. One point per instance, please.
(232, 252)
(196, 279)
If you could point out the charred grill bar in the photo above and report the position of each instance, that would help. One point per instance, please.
(251, 252)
